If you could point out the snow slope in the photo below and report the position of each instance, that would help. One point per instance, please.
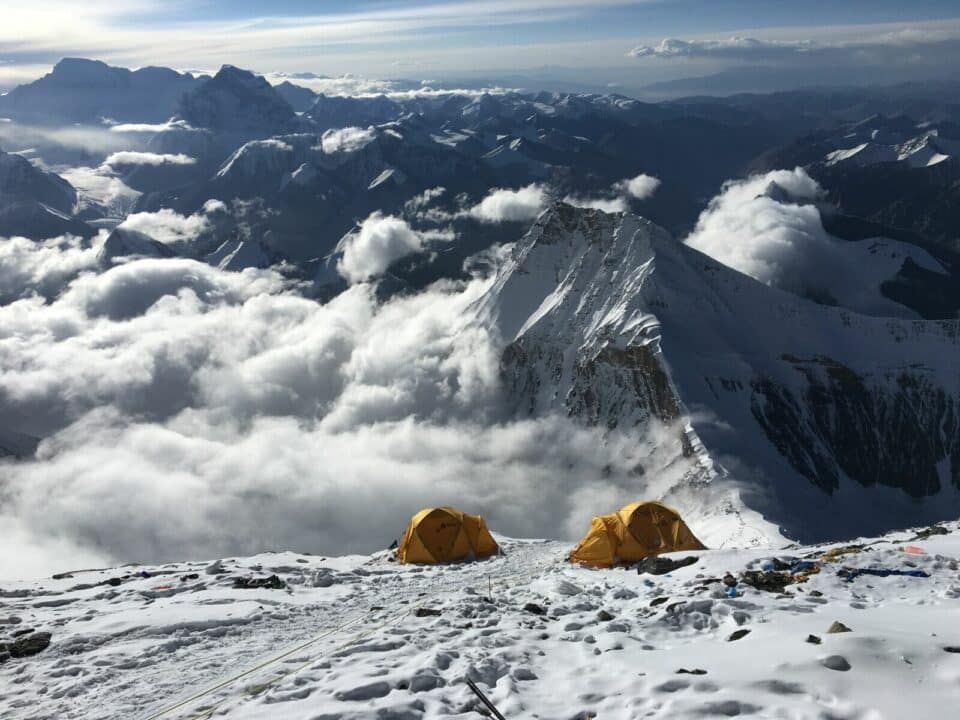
(361, 637)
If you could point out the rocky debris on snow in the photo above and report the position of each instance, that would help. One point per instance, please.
(769, 581)
(838, 627)
(565, 587)
(215, 568)
(729, 580)
(929, 532)
(421, 612)
(835, 553)
(28, 643)
(836, 662)
(271, 583)
(659, 565)
(381, 665)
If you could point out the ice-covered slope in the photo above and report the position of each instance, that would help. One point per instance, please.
(825, 421)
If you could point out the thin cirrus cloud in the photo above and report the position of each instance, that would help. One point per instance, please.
(920, 43)
(114, 28)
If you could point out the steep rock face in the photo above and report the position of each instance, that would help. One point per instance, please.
(826, 421)
(576, 332)
(901, 432)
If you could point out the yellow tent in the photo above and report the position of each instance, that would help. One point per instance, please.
(445, 534)
(631, 534)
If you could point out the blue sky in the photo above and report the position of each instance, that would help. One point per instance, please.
(590, 40)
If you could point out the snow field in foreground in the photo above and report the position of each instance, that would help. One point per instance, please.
(362, 637)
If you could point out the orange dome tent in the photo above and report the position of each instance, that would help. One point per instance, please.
(445, 534)
(631, 534)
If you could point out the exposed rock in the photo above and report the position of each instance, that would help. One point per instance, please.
(930, 532)
(215, 568)
(604, 616)
(426, 612)
(658, 565)
(836, 662)
(770, 581)
(535, 609)
(271, 583)
(737, 634)
(838, 627)
(28, 645)
(813, 640)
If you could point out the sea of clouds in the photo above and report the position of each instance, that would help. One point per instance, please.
(189, 412)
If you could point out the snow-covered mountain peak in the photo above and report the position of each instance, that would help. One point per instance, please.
(577, 270)
(239, 101)
(608, 319)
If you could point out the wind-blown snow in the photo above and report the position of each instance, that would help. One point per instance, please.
(607, 205)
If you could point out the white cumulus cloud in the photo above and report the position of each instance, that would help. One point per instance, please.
(642, 187)
(167, 225)
(194, 413)
(380, 241)
(133, 157)
(348, 139)
(503, 204)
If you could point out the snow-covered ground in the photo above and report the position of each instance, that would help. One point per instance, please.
(363, 637)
